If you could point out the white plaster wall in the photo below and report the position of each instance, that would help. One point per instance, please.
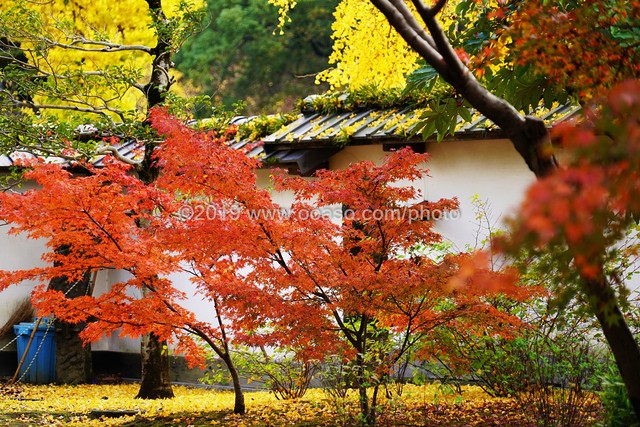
(104, 280)
(283, 198)
(491, 169)
(17, 252)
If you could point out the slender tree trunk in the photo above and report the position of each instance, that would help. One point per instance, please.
(155, 383)
(362, 391)
(367, 408)
(223, 353)
(373, 411)
(620, 338)
(238, 405)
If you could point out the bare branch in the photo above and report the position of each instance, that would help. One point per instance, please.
(43, 74)
(436, 8)
(100, 110)
(106, 46)
(96, 110)
(456, 67)
(401, 7)
(116, 153)
(396, 13)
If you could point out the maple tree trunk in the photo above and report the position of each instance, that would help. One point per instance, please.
(73, 356)
(155, 360)
(368, 414)
(620, 338)
(367, 409)
(155, 383)
(223, 352)
(238, 405)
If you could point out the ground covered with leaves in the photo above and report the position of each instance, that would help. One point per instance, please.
(114, 405)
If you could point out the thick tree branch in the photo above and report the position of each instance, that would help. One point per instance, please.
(443, 46)
(396, 13)
(415, 25)
(428, 12)
(528, 134)
(436, 8)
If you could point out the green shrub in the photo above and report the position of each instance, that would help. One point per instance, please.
(551, 365)
(617, 407)
(279, 371)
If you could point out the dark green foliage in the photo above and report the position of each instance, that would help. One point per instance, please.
(618, 410)
(241, 54)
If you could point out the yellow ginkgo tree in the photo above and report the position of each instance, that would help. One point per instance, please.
(86, 61)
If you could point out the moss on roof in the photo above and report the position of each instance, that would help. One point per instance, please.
(371, 97)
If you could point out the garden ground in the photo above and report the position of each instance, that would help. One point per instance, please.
(104, 405)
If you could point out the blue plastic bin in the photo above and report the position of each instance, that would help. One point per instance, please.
(42, 370)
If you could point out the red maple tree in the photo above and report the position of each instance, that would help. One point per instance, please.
(361, 283)
(105, 218)
(347, 270)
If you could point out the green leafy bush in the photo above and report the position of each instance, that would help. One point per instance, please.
(279, 371)
(617, 407)
(551, 366)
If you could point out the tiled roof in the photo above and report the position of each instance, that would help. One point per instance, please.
(307, 143)
(129, 149)
(371, 126)
(324, 134)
